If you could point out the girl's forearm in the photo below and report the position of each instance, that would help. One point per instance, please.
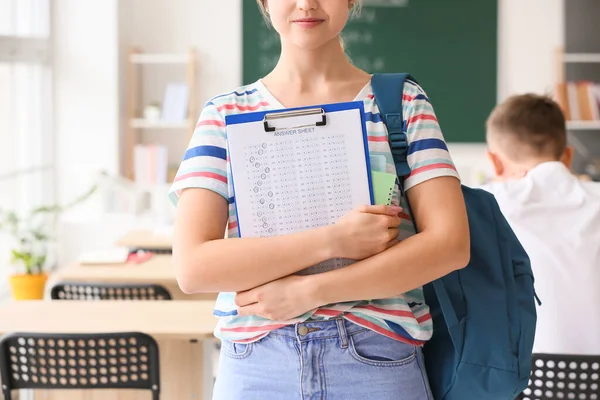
(408, 265)
(233, 265)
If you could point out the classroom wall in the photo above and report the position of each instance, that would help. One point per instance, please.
(91, 42)
(214, 28)
(529, 33)
(86, 98)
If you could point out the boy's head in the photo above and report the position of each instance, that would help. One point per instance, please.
(524, 131)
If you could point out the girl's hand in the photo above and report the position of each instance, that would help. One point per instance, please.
(366, 231)
(280, 300)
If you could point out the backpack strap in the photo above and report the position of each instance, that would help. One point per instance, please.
(388, 89)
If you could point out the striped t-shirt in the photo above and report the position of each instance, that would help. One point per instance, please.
(205, 165)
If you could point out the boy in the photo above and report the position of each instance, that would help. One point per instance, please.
(555, 216)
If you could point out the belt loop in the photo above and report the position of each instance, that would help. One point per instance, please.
(342, 332)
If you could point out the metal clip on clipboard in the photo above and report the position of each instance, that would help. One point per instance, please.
(295, 113)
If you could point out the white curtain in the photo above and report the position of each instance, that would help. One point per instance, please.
(26, 136)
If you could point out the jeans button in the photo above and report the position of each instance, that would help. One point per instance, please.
(302, 330)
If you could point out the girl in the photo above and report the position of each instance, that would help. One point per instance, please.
(288, 336)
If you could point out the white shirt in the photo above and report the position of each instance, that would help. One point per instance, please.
(557, 220)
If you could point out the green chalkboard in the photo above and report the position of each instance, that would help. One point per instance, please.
(450, 47)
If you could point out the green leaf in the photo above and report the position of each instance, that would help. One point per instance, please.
(11, 221)
(47, 210)
(39, 236)
(38, 261)
(12, 218)
(21, 257)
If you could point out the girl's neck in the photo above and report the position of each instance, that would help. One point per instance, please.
(305, 70)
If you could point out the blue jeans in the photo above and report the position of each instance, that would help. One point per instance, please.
(318, 360)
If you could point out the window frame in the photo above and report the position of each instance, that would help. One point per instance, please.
(30, 50)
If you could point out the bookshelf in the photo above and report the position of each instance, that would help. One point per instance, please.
(141, 123)
(136, 124)
(583, 125)
(578, 96)
(139, 58)
(582, 58)
(577, 78)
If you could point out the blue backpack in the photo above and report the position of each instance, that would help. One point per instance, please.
(484, 315)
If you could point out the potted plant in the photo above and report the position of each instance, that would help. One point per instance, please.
(32, 235)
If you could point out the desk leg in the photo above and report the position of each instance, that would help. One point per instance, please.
(184, 369)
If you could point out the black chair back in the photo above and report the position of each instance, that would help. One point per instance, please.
(79, 361)
(556, 377)
(108, 291)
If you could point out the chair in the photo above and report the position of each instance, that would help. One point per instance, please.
(155, 251)
(556, 376)
(108, 291)
(127, 360)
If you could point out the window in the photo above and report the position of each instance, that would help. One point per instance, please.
(26, 137)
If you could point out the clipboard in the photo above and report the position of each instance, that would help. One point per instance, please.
(273, 156)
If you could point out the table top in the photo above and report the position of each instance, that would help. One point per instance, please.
(183, 320)
(159, 269)
(146, 239)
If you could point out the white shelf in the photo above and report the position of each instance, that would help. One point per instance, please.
(159, 58)
(582, 57)
(583, 125)
(146, 124)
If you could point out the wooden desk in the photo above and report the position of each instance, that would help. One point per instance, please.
(157, 270)
(185, 366)
(146, 239)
